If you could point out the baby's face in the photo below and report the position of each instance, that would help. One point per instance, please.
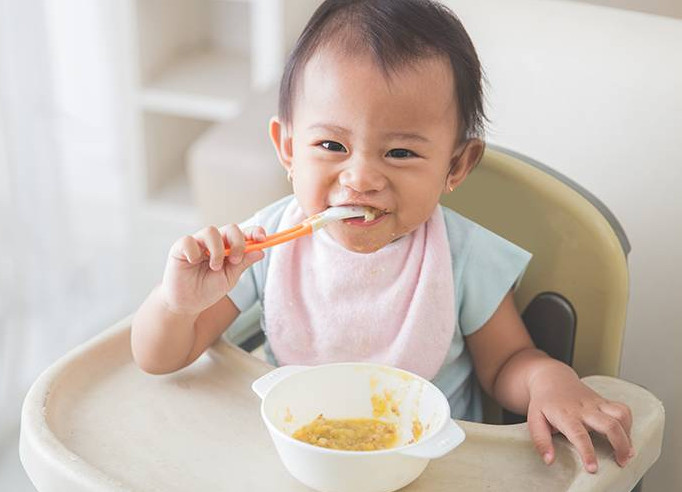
(359, 138)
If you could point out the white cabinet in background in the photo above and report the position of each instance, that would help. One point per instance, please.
(194, 63)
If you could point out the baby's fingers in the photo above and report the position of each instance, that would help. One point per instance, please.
(187, 249)
(618, 411)
(541, 434)
(212, 240)
(256, 233)
(577, 434)
(615, 433)
(235, 241)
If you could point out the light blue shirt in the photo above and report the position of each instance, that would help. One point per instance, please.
(485, 268)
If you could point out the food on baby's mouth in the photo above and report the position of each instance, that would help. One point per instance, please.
(369, 215)
(348, 434)
(372, 213)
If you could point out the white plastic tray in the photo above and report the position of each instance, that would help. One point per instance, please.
(94, 421)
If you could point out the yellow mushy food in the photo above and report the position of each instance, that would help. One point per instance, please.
(348, 434)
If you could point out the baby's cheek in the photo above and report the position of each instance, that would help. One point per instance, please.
(309, 199)
(404, 225)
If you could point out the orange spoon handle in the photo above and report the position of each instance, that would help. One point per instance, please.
(275, 239)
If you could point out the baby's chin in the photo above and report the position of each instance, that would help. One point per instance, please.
(363, 248)
(360, 242)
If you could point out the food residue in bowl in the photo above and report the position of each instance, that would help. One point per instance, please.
(384, 405)
(387, 406)
(349, 434)
(288, 417)
(417, 431)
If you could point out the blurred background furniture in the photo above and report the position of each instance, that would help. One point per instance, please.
(197, 63)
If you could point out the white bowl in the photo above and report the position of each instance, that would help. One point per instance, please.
(293, 396)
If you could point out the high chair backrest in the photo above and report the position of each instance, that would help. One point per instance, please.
(576, 287)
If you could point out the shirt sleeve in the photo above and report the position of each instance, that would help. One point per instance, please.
(245, 293)
(249, 288)
(491, 268)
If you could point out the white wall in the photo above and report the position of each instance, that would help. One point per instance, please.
(596, 93)
(670, 8)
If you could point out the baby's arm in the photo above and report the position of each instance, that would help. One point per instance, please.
(189, 310)
(527, 381)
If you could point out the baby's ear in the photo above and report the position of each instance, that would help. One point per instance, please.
(463, 161)
(281, 141)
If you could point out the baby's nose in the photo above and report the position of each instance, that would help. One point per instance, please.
(362, 176)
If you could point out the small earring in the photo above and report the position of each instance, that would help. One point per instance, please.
(451, 188)
(289, 178)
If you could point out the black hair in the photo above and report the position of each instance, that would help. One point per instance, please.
(395, 32)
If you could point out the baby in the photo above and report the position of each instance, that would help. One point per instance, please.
(380, 106)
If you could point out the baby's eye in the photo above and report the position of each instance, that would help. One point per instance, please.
(333, 146)
(400, 153)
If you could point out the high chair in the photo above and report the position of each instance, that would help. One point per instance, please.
(94, 421)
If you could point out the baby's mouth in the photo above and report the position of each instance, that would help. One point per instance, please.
(372, 213)
(372, 216)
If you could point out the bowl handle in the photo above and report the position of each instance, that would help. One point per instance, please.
(449, 437)
(263, 384)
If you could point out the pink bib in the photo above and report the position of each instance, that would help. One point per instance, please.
(396, 306)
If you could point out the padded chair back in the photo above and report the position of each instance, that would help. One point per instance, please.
(578, 277)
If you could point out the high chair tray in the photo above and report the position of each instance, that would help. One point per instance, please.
(94, 421)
